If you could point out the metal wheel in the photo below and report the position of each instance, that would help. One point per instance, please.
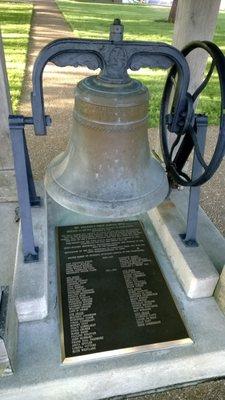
(185, 138)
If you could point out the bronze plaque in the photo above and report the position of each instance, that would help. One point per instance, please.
(113, 297)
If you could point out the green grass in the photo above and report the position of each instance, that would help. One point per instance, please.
(141, 23)
(15, 26)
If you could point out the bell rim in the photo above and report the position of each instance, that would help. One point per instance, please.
(105, 208)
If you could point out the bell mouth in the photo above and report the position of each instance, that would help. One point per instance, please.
(156, 192)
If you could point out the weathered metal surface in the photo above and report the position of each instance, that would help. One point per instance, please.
(107, 168)
(185, 139)
(190, 236)
(114, 57)
(25, 185)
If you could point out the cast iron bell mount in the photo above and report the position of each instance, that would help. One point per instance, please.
(114, 57)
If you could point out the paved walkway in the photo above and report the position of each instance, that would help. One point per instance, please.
(49, 24)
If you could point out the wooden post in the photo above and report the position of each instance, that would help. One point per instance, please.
(195, 20)
(6, 161)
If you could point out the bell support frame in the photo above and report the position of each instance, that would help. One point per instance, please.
(192, 136)
(114, 57)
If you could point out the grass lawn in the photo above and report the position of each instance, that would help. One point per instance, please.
(141, 23)
(15, 26)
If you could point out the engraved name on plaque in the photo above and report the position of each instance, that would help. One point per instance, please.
(113, 297)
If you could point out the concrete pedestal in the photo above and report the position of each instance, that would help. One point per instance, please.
(8, 317)
(30, 285)
(8, 332)
(220, 291)
(39, 373)
(194, 269)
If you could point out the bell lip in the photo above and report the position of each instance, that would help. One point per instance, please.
(102, 208)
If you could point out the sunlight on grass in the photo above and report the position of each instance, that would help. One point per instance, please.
(142, 22)
(92, 21)
(15, 26)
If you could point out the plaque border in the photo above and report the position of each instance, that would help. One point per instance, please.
(117, 352)
(59, 293)
(103, 355)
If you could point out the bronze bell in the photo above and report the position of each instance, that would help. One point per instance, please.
(107, 168)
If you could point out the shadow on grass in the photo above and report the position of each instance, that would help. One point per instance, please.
(141, 23)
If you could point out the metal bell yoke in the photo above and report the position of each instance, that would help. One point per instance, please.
(107, 168)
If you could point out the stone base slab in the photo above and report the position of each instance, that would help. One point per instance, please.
(30, 285)
(220, 291)
(194, 269)
(207, 234)
(8, 332)
(8, 191)
(39, 373)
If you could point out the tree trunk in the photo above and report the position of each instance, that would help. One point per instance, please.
(173, 11)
